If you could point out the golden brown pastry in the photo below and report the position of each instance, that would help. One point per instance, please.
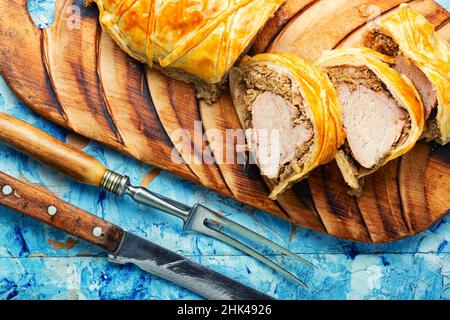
(196, 41)
(291, 114)
(383, 115)
(424, 56)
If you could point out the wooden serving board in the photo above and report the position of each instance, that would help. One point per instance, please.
(78, 78)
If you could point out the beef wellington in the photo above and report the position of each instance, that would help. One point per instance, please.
(193, 41)
(383, 115)
(421, 54)
(291, 114)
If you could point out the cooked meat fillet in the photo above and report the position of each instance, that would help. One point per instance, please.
(373, 122)
(372, 118)
(275, 113)
(386, 45)
(382, 113)
(275, 135)
(291, 114)
(423, 85)
(422, 55)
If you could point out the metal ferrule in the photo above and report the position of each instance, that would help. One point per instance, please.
(197, 218)
(115, 183)
(120, 185)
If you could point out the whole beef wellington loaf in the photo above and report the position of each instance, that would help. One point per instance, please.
(383, 115)
(291, 115)
(194, 41)
(422, 55)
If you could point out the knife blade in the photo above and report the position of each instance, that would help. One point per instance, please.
(175, 268)
(123, 247)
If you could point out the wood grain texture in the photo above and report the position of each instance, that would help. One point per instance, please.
(337, 209)
(178, 112)
(276, 24)
(83, 81)
(325, 24)
(23, 58)
(222, 115)
(34, 201)
(50, 151)
(124, 86)
(70, 58)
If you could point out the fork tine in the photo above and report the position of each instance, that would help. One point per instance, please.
(227, 239)
(254, 236)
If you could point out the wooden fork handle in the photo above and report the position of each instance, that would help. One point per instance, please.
(38, 203)
(51, 151)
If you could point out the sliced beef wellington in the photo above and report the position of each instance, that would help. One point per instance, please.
(194, 41)
(383, 115)
(421, 54)
(291, 114)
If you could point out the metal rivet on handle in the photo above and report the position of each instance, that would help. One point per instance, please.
(7, 190)
(97, 231)
(52, 210)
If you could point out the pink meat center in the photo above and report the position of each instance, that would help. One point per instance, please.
(373, 122)
(275, 138)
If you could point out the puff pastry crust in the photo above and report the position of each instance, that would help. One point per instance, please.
(202, 37)
(418, 41)
(401, 88)
(323, 110)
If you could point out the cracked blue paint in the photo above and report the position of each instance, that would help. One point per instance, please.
(351, 252)
(8, 289)
(21, 243)
(442, 246)
(101, 201)
(30, 268)
(385, 261)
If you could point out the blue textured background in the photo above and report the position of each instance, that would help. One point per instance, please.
(39, 262)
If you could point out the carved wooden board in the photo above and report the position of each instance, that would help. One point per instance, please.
(78, 78)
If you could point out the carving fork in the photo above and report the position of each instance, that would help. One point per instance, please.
(85, 168)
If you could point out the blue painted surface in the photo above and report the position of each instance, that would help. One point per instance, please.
(32, 268)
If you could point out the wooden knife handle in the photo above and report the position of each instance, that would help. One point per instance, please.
(51, 151)
(37, 202)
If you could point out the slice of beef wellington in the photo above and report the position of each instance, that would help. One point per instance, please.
(383, 115)
(193, 41)
(421, 54)
(291, 114)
